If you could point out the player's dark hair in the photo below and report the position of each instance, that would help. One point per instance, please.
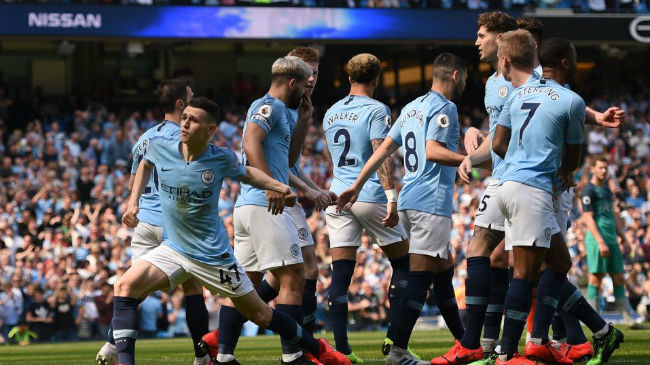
(170, 91)
(446, 63)
(363, 68)
(600, 157)
(553, 50)
(210, 107)
(534, 26)
(307, 54)
(497, 21)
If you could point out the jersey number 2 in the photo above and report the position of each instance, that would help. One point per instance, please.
(343, 160)
(532, 108)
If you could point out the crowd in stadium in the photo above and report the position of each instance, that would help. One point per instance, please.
(590, 6)
(64, 177)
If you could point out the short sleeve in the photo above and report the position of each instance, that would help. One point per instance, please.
(395, 132)
(575, 128)
(233, 167)
(504, 117)
(266, 116)
(138, 154)
(150, 150)
(380, 123)
(440, 124)
(588, 199)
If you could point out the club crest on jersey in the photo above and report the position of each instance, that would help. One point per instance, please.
(302, 233)
(294, 249)
(503, 91)
(265, 111)
(387, 121)
(443, 120)
(207, 176)
(547, 233)
(586, 200)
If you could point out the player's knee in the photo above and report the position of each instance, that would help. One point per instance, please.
(261, 316)
(123, 287)
(499, 260)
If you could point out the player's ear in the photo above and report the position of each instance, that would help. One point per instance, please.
(292, 83)
(455, 76)
(565, 63)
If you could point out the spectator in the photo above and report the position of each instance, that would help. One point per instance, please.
(176, 318)
(63, 300)
(149, 312)
(40, 316)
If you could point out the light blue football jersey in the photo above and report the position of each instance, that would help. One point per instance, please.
(189, 196)
(543, 116)
(150, 211)
(428, 186)
(272, 115)
(497, 91)
(350, 125)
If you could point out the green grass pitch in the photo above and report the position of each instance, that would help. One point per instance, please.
(266, 350)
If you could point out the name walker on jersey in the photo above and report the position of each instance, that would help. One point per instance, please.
(349, 116)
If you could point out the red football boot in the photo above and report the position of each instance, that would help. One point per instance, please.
(329, 356)
(546, 353)
(210, 344)
(458, 354)
(577, 353)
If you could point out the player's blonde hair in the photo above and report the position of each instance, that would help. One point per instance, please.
(519, 47)
(290, 67)
(363, 68)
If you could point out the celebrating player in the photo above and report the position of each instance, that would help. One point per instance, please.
(553, 116)
(429, 132)
(174, 97)
(190, 173)
(354, 127)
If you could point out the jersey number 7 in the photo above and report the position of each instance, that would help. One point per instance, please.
(532, 108)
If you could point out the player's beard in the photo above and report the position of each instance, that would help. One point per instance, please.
(294, 99)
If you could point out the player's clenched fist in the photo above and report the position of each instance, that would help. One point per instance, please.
(130, 217)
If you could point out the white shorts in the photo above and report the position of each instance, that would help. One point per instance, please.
(562, 205)
(264, 241)
(429, 234)
(530, 218)
(346, 227)
(146, 237)
(304, 234)
(489, 215)
(227, 280)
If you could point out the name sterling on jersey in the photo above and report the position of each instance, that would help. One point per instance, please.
(541, 90)
(351, 116)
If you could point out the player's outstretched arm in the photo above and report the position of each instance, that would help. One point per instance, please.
(252, 144)
(472, 139)
(386, 178)
(260, 180)
(139, 182)
(613, 117)
(501, 141)
(320, 197)
(439, 153)
(480, 158)
(349, 196)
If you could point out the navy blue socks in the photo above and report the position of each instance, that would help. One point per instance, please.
(477, 293)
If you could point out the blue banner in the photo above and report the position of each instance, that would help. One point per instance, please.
(200, 22)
